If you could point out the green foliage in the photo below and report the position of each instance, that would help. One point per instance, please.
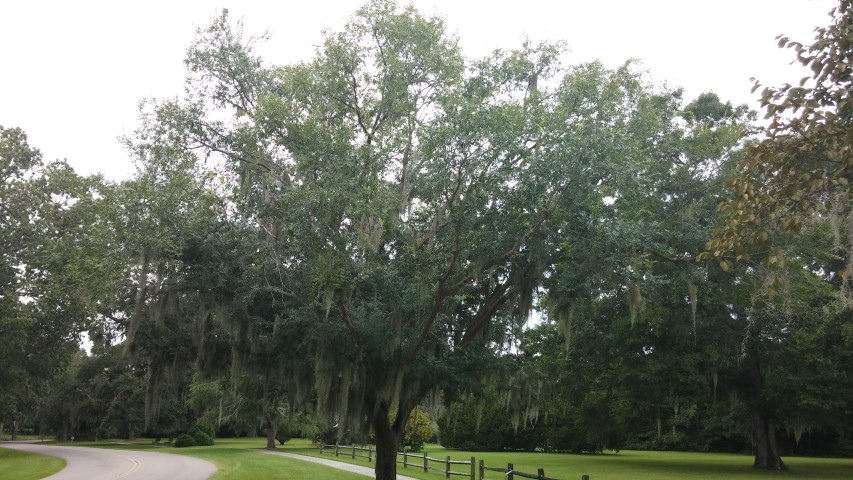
(201, 434)
(405, 206)
(298, 425)
(418, 431)
(282, 433)
(47, 298)
(800, 171)
(483, 424)
(346, 235)
(202, 430)
(185, 440)
(201, 438)
(99, 396)
(474, 425)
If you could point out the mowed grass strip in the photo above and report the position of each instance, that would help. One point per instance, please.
(635, 465)
(243, 464)
(15, 465)
(235, 459)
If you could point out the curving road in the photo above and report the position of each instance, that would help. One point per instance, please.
(103, 464)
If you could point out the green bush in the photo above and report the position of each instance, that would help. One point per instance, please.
(418, 430)
(283, 433)
(300, 425)
(200, 434)
(202, 439)
(483, 424)
(203, 433)
(205, 427)
(185, 440)
(471, 424)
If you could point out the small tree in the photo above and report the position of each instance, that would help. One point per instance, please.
(418, 430)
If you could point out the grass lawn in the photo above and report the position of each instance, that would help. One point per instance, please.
(15, 465)
(8, 437)
(633, 465)
(236, 461)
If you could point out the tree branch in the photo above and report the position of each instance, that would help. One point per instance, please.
(487, 310)
(358, 116)
(474, 271)
(347, 321)
(669, 258)
(437, 304)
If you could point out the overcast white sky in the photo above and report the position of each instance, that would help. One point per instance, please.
(73, 72)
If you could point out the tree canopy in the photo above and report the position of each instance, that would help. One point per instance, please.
(421, 198)
(800, 171)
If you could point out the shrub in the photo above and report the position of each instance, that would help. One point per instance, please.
(205, 427)
(282, 433)
(200, 434)
(483, 424)
(299, 425)
(202, 439)
(185, 440)
(418, 430)
(203, 433)
(478, 425)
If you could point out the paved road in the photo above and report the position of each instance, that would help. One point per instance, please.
(102, 464)
(333, 463)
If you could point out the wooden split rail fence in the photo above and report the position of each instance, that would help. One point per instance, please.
(445, 465)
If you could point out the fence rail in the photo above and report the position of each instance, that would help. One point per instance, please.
(422, 461)
(349, 451)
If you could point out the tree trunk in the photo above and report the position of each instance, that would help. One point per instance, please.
(131, 434)
(270, 432)
(388, 435)
(14, 430)
(660, 426)
(1, 430)
(386, 446)
(766, 452)
(763, 428)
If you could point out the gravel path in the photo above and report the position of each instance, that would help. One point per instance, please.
(333, 463)
(84, 463)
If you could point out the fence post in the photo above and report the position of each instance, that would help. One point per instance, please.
(509, 471)
(426, 462)
(353, 451)
(482, 469)
(369, 453)
(447, 467)
(405, 457)
(473, 469)
(584, 477)
(541, 473)
(337, 448)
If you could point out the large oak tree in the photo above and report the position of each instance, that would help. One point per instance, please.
(409, 201)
